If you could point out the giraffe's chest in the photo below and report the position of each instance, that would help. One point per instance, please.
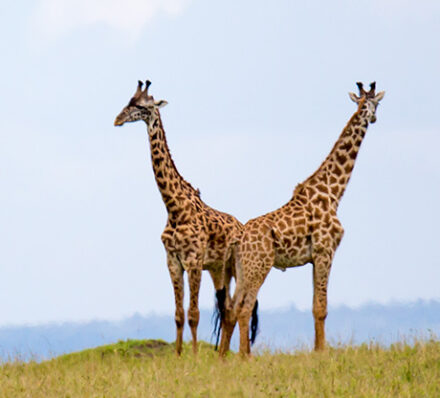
(182, 238)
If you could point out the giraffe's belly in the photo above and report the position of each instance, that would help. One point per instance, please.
(292, 252)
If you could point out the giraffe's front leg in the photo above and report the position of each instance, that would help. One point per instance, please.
(176, 273)
(194, 269)
(321, 270)
(194, 278)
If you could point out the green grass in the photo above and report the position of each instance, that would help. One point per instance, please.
(150, 368)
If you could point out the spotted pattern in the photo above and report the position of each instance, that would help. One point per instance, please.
(305, 230)
(196, 237)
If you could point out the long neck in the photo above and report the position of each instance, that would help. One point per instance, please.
(174, 189)
(334, 173)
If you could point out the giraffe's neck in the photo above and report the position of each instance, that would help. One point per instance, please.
(174, 189)
(334, 173)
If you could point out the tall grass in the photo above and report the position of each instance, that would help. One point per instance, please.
(151, 369)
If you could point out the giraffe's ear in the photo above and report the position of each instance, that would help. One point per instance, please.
(160, 103)
(379, 96)
(354, 97)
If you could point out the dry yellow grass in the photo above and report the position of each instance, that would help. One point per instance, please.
(150, 369)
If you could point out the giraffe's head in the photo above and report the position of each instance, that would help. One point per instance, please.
(368, 100)
(140, 107)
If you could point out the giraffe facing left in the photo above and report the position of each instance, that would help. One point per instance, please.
(196, 236)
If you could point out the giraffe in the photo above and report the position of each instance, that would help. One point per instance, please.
(305, 230)
(196, 237)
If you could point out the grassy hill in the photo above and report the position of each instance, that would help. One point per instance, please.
(149, 368)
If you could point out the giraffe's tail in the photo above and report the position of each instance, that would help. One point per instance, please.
(219, 314)
(254, 323)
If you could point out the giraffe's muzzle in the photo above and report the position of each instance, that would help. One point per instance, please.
(118, 122)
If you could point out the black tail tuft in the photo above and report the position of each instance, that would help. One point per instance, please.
(254, 323)
(219, 314)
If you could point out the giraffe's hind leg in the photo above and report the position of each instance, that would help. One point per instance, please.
(227, 331)
(244, 314)
(229, 320)
(232, 270)
(245, 306)
(218, 278)
(176, 273)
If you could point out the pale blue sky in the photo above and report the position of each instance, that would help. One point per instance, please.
(257, 96)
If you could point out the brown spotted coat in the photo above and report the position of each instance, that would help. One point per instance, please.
(196, 236)
(305, 230)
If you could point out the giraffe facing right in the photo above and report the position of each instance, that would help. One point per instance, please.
(305, 230)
